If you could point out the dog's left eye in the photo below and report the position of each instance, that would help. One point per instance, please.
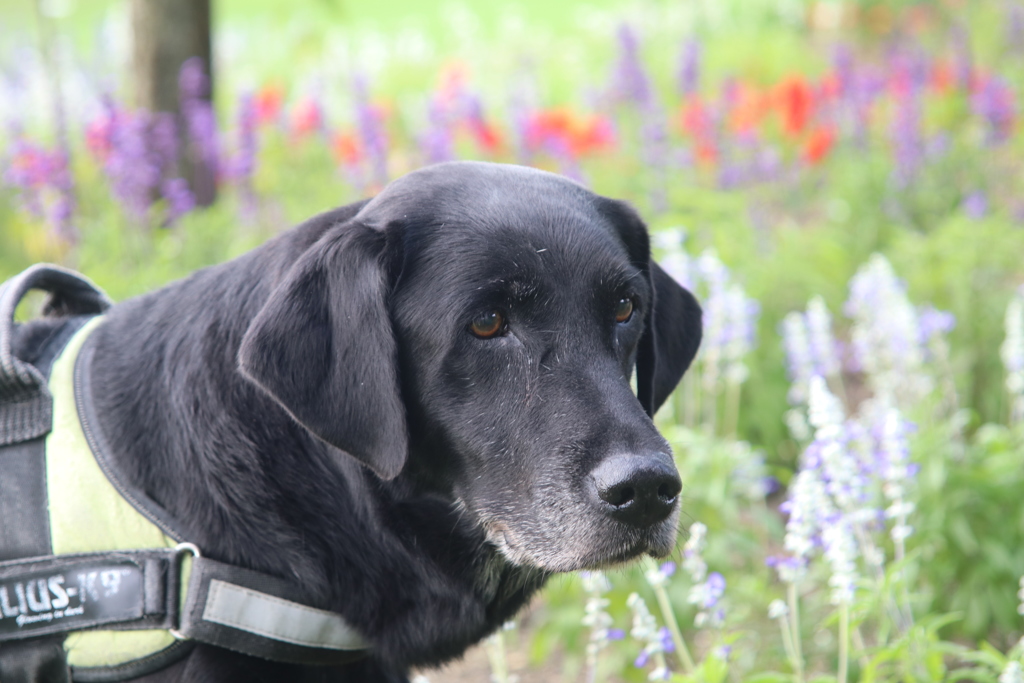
(488, 324)
(623, 310)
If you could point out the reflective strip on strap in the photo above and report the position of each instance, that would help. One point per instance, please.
(273, 617)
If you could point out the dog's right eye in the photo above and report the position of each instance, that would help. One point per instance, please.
(488, 325)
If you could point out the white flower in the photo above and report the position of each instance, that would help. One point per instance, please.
(841, 553)
(886, 333)
(693, 563)
(1012, 673)
(819, 331)
(800, 359)
(777, 609)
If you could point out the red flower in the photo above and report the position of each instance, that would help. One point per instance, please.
(941, 77)
(750, 109)
(306, 118)
(268, 104)
(695, 119)
(99, 137)
(346, 149)
(819, 144)
(572, 132)
(796, 101)
(487, 136)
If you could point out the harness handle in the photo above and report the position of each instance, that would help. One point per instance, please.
(26, 408)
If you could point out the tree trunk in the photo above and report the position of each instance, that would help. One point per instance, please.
(166, 34)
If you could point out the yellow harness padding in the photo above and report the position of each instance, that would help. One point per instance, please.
(87, 514)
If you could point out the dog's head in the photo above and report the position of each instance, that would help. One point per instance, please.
(477, 325)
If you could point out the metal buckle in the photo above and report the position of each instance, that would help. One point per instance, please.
(179, 552)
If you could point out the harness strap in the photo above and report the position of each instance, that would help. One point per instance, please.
(25, 402)
(227, 606)
(26, 410)
(262, 615)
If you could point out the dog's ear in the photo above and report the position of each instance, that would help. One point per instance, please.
(323, 347)
(673, 327)
(670, 341)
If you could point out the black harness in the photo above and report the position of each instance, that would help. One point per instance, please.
(44, 597)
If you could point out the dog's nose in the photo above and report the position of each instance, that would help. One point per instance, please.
(639, 490)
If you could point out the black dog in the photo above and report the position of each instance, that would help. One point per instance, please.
(416, 407)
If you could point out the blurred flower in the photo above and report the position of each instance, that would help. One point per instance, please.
(706, 597)
(896, 471)
(44, 183)
(438, 142)
(629, 81)
(819, 144)
(934, 323)
(563, 130)
(373, 135)
(306, 118)
(179, 199)
(995, 102)
(1012, 673)
(840, 550)
(799, 356)
(696, 120)
(134, 170)
(885, 334)
(595, 614)
(268, 104)
(808, 505)
(657, 641)
(693, 562)
(689, 67)
(660, 576)
(777, 609)
(200, 118)
(245, 160)
(822, 343)
(796, 104)
(345, 147)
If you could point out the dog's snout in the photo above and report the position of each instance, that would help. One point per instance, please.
(639, 490)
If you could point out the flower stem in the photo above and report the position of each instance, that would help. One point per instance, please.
(670, 620)
(844, 641)
(496, 655)
(794, 625)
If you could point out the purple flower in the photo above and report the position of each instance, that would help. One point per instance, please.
(629, 80)
(665, 639)
(44, 182)
(438, 142)
(716, 589)
(994, 102)
(134, 170)
(179, 199)
(245, 160)
(689, 67)
(933, 323)
(201, 127)
(975, 205)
